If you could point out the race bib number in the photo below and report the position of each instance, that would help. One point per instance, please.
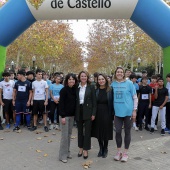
(145, 96)
(39, 91)
(22, 88)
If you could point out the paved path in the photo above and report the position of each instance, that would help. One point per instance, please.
(18, 152)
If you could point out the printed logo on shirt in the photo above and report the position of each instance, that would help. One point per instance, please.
(119, 94)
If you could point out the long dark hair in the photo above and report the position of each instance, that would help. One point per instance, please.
(107, 86)
(68, 76)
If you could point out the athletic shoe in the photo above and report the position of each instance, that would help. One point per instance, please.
(1, 128)
(124, 157)
(146, 128)
(8, 126)
(4, 121)
(45, 128)
(152, 130)
(28, 127)
(49, 122)
(33, 128)
(41, 121)
(140, 127)
(167, 130)
(155, 128)
(136, 128)
(16, 128)
(162, 132)
(57, 127)
(51, 127)
(118, 156)
(64, 160)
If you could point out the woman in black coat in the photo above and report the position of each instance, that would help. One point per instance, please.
(102, 127)
(85, 112)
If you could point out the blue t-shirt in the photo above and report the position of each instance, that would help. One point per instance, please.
(55, 88)
(22, 89)
(123, 98)
(136, 86)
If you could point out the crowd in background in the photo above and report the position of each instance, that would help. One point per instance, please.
(93, 103)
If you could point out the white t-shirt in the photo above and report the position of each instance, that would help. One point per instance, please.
(39, 89)
(7, 89)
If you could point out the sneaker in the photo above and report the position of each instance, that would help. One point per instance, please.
(33, 128)
(69, 155)
(136, 128)
(16, 128)
(146, 128)
(155, 128)
(51, 127)
(162, 132)
(41, 121)
(167, 130)
(64, 160)
(28, 127)
(140, 127)
(152, 130)
(49, 122)
(124, 157)
(4, 121)
(1, 128)
(118, 156)
(57, 127)
(45, 128)
(8, 126)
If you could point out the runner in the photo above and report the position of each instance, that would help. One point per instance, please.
(22, 95)
(39, 99)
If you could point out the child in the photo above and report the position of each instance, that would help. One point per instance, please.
(144, 98)
(133, 78)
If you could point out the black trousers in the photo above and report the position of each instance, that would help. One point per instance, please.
(168, 115)
(53, 107)
(84, 132)
(143, 110)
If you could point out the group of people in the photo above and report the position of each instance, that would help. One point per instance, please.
(93, 104)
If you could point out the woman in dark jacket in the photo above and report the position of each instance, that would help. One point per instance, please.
(85, 112)
(67, 105)
(102, 127)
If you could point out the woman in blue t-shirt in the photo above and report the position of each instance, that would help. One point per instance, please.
(125, 105)
(55, 96)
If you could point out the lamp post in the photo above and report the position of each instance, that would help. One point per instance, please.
(33, 63)
(12, 65)
(53, 68)
(138, 61)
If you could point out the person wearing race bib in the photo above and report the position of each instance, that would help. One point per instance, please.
(39, 99)
(6, 88)
(22, 95)
(125, 105)
(55, 96)
(145, 102)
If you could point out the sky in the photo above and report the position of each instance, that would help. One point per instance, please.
(80, 29)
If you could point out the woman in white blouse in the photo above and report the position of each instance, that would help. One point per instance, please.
(85, 112)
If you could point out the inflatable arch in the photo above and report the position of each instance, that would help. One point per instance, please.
(153, 16)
